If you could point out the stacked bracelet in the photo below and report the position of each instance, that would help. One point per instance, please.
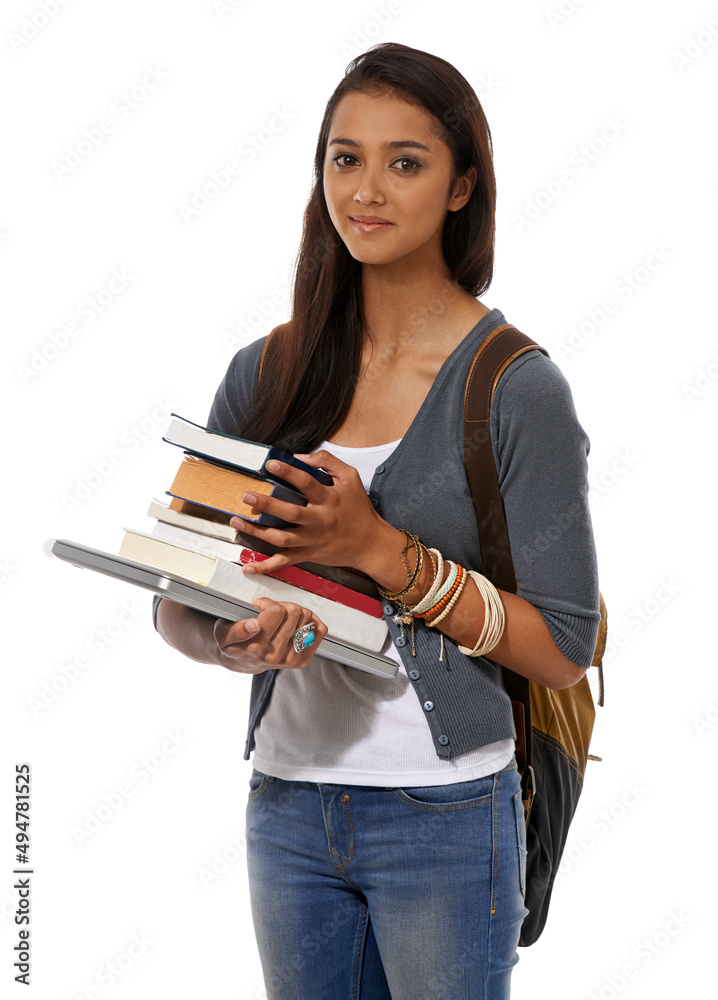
(438, 575)
(443, 595)
(452, 598)
(447, 591)
(494, 617)
(403, 616)
(411, 577)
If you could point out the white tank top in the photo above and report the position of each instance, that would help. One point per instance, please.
(333, 723)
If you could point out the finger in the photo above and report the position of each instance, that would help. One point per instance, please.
(262, 628)
(271, 565)
(302, 481)
(293, 658)
(279, 537)
(291, 512)
(270, 618)
(283, 640)
(229, 633)
(319, 630)
(330, 463)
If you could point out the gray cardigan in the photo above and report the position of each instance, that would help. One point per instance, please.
(541, 455)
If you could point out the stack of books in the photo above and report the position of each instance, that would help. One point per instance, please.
(193, 540)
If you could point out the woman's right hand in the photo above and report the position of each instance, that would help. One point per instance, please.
(253, 645)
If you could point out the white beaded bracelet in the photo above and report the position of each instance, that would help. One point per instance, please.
(443, 589)
(494, 617)
(452, 602)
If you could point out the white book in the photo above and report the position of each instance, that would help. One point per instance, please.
(202, 525)
(219, 574)
(187, 538)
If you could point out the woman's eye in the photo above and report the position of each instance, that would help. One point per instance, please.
(413, 165)
(342, 156)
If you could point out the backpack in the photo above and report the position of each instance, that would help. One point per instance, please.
(553, 727)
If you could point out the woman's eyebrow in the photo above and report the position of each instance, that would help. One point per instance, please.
(397, 144)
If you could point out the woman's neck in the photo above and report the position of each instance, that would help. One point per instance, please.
(411, 309)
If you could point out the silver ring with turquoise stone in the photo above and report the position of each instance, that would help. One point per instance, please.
(304, 637)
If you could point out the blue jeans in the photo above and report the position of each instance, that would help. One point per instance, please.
(366, 893)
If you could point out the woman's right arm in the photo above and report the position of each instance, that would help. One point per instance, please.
(248, 646)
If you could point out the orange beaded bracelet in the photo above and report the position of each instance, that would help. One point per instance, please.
(447, 597)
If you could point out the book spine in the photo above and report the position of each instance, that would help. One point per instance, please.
(318, 585)
(192, 523)
(270, 520)
(195, 541)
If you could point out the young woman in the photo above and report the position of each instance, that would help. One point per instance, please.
(385, 830)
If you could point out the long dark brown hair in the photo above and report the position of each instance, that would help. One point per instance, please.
(312, 370)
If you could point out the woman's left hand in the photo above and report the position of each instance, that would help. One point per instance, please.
(338, 527)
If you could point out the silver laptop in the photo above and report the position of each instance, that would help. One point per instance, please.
(175, 588)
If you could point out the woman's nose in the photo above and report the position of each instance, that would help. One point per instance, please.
(369, 188)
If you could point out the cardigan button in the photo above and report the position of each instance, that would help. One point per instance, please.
(414, 674)
(400, 640)
(379, 469)
(429, 706)
(388, 609)
(443, 740)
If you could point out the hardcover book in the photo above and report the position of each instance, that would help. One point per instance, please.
(249, 456)
(220, 488)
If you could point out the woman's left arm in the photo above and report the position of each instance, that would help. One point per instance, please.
(541, 453)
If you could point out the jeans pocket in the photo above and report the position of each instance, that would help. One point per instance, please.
(521, 839)
(258, 783)
(457, 795)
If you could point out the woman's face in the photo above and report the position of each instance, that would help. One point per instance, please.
(385, 161)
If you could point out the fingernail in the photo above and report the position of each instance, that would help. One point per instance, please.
(273, 466)
(252, 626)
(250, 498)
(248, 569)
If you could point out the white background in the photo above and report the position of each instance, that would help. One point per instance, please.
(90, 690)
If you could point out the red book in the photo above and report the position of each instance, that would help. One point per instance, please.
(318, 585)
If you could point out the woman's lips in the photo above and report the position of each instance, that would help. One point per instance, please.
(370, 227)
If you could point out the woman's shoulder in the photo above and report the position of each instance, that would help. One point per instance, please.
(234, 394)
(244, 367)
(532, 380)
(533, 407)
(249, 353)
(531, 377)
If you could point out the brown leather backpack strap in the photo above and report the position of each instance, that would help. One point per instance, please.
(495, 353)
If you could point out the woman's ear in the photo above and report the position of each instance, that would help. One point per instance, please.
(463, 186)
